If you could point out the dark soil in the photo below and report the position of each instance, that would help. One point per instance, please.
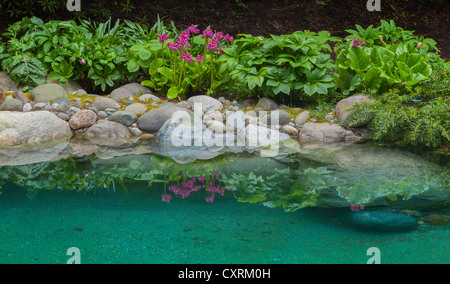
(263, 17)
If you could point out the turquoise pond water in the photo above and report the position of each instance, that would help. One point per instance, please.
(110, 225)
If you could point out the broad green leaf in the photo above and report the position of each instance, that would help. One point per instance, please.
(144, 54)
(132, 65)
(373, 79)
(173, 93)
(359, 59)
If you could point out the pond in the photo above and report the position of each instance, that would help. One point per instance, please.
(311, 203)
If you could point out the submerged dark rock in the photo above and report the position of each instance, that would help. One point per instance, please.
(380, 221)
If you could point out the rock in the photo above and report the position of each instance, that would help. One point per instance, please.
(136, 132)
(11, 104)
(80, 92)
(289, 130)
(267, 104)
(149, 97)
(236, 120)
(123, 117)
(27, 107)
(63, 100)
(129, 90)
(326, 132)
(342, 113)
(102, 115)
(302, 118)
(152, 121)
(2, 95)
(381, 221)
(258, 136)
(48, 92)
(249, 102)
(184, 104)
(329, 117)
(216, 126)
(31, 127)
(104, 129)
(62, 107)
(7, 83)
(137, 108)
(102, 103)
(77, 104)
(82, 119)
(71, 86)
(276, 117)
(207, 103)
(436, 220)
(20, 96)
(39, 106)
(63, 116)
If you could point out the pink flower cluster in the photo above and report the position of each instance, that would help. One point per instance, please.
(163, 38)
(356, 207)
(193, 29)
(357, 42)
(188, 57)
(186, 187)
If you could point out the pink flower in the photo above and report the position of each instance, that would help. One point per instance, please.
(207, 33)
(163, 38)
(212, 45)
(83, 62)
(200, 59)
(187, 57)
(173, 45)
(210, 198)
(228, 38)
(166, 197)
(357, 42)
(193, 29)
(219, 36)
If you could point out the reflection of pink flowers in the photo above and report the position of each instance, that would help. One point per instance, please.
(356, 207)
(166, 197)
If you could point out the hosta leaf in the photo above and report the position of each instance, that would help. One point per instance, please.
(173, 93)
(359, 59)
(373, 79)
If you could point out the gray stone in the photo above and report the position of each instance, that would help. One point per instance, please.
(31, 127)
(20, 96)
(63, 116)
(276, 117)
(124, 117)
(7, 83)
(48, 92)
(207, 103)
(102, 115)
(137, 108)
(27, 107)
(342, 113)
(136, 132)
(104, 129)
(184, 104)
(326, 132)
(39, 106)
(152, 121)
(71, 86)
(102, 103)
(249, 102)
(267, 104)
(289, 130)
(302, 118)
(62, 107)
(149, 97)
(61, 100)
(11, 104)
(129, 90)
(80, 92)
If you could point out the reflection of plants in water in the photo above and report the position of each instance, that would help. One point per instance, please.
(291, 189)
(363, 186)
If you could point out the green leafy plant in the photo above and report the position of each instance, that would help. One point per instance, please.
(294, 64)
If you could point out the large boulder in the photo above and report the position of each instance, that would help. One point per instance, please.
(342, 113)
(7, 83)
(48, 92)
(326, 132)
(11, 104)
(152, 121)
(267, 104)
(31, 127)
(380, 221)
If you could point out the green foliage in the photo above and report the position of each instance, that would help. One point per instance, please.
(294, 64)
(377, 69)
(418, 116)
(97, 53)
